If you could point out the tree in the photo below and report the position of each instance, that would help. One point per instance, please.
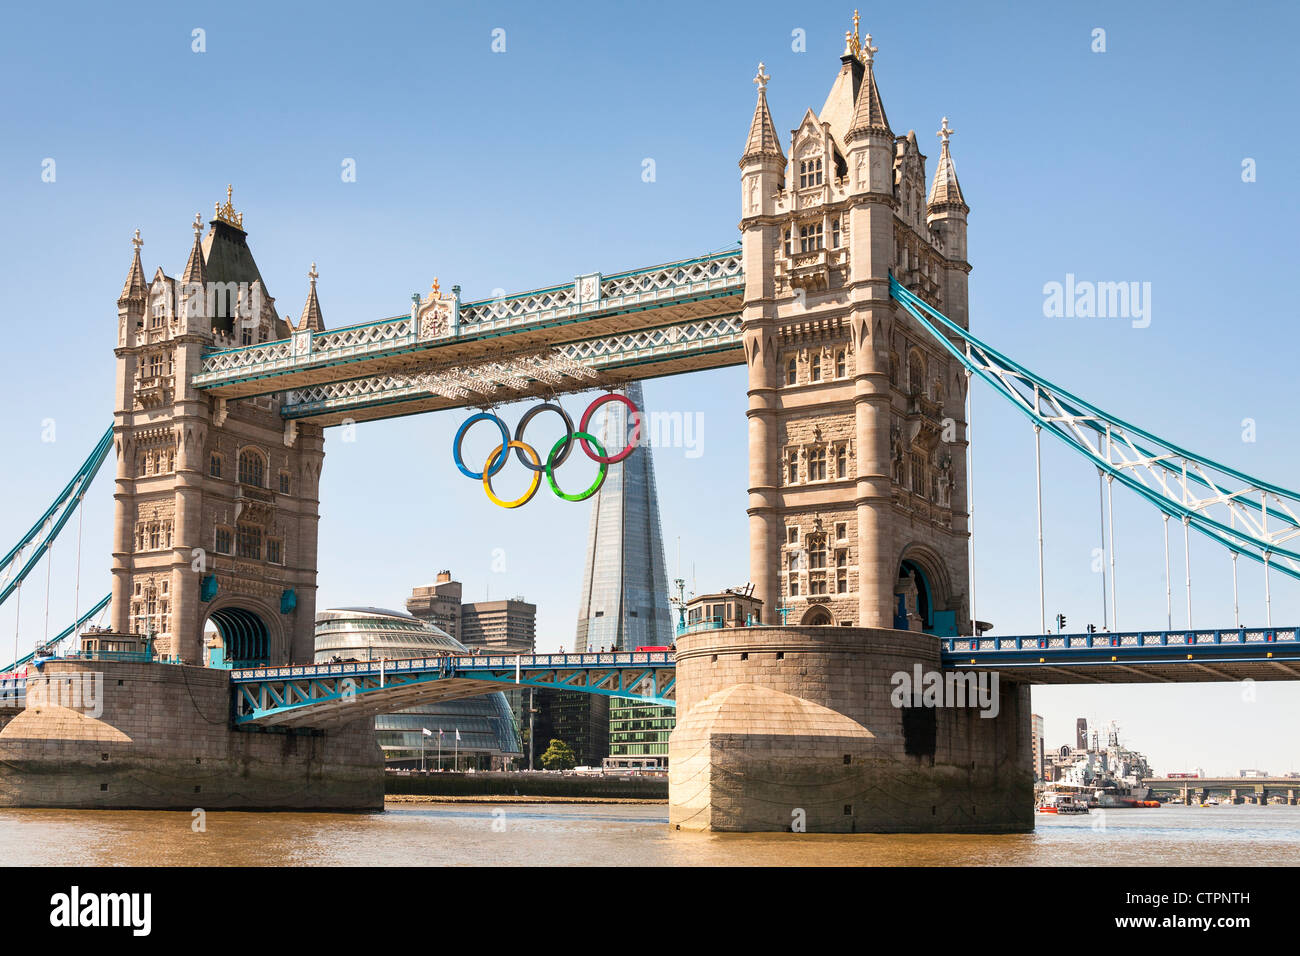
(559, 756)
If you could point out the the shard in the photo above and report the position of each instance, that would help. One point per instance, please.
(624, 600)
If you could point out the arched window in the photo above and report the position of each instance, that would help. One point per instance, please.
(915, 372)
(251, 468)
(815, 369)
(841, 366)
(214, 465)
(791, 373)
(842, 462)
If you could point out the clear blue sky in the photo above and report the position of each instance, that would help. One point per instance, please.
(518, 169)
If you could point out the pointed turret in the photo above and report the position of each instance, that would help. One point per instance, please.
(945, 189)
(869, 110)
(196, 270)
(763, 140)
(946, 214)
(311, 317)
(136, 289)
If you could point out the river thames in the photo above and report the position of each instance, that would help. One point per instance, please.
(440, 834)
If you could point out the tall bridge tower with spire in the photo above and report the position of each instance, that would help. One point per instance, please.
(215, 502)
(857, 434)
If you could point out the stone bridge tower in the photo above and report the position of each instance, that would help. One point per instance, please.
(216, 503)
(857, 434)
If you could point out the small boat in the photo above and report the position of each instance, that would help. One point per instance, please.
(1053, 801)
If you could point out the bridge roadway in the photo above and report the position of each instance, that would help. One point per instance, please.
(324, 695)
(1133, 657)
(594, 331)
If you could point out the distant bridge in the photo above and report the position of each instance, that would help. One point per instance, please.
(1259, 787)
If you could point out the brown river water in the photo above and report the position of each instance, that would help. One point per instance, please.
(567, 835)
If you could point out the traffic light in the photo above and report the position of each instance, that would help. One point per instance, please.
(1060, 624)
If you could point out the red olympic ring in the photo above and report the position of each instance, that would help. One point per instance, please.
(631, 443)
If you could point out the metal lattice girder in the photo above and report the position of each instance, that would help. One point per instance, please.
(658, 295)
(573, 366)
(319, 695)
(1132, 656)
(29, 550)
(1243, 514)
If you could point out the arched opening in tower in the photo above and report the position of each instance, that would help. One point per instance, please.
(241, 638)
(915, 599)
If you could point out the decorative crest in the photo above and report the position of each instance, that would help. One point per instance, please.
(137, 241)
(436, 288)
(945, 131)
(313, 275)
(227, 212)
(762, 78)
(198, 223)
(868, 51)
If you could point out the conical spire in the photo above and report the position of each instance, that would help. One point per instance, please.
(135, 288)
(196, 269)
(311, 317)
(763, 140)
(945, 190)
(868, 111)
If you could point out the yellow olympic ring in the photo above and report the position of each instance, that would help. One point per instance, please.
(532, 489)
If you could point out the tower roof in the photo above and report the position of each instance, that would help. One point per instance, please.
(135, 287)
(945, 190)
(311, 317)
(763, 140)
(868, 110)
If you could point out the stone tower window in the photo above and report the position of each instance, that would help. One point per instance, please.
(810, 237)
(222, 543)
(791, 373)
(275, 550)
(815, 368)
(841, 365)
(915, 372)
(835, 233)
(893, 370)
(817, 465)
(842, 462)
(788, 247)
(792, 535)
(810, 173)
(248, 541)
(214, 465)
(793, 468)
(284, 483)
(251, 468)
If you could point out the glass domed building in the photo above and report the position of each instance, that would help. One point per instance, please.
(488, 736)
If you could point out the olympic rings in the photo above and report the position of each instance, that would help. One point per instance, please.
(460, 439)
(551, 460)
(558, 454)
(527, 496)
(528, 417)
(632, 442)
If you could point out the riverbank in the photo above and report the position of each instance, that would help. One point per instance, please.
(526, 787)
(406, 798)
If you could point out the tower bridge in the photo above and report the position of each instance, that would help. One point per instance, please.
(846, 301)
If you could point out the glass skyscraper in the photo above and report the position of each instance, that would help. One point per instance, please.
(624, 600)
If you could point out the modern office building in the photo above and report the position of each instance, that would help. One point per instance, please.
(488, 735)
(1038, 754)
(624, 600)
(638, 733)
(438, 603)
(499, 627)
(579, 719)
